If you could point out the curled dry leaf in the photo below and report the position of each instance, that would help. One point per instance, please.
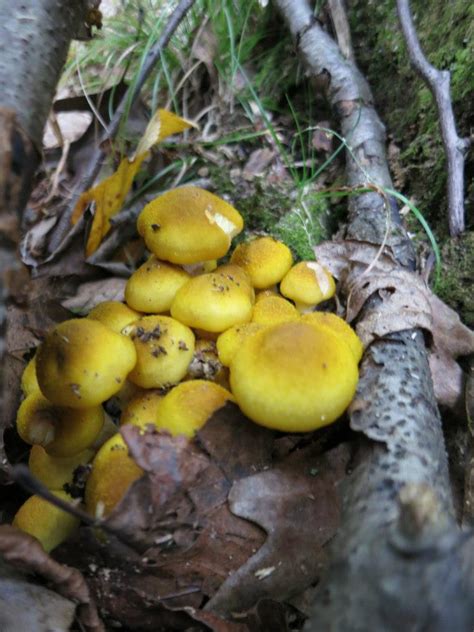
(297, 504)
(405, 303)
(92, 293)
(185, 545)
(24, 552)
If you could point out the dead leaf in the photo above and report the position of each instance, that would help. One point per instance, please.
(297, 504)
(92, 293)
(110, 194)
(257, 163)
(405, 303)
(26, 553)
(322, 140)
(70, 125)
(25, 606)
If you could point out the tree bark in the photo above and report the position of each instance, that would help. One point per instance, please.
(399, 561)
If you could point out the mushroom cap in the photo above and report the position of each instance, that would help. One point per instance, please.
(230, 340)
(61, 431)
(187, 406)
(212, 302)
(47, 523)
(113, 471)
(339, 326)
(114, 314)
(152, 288)
(165, 349)
(272, 310)
(189, 225)
(265, 260)
(234, 273)
(56, 471)
(308, 283)
(29, 382)
(293, 377)
(81, 363)
(142, 409)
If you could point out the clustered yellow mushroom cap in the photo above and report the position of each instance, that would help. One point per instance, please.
(56, 471)
(231, 340)
(293, 377)
(189, 225)
(265, 260)
(272, 310)
(48, 524)
(113, 471)
(152, 288)
(82, 363)
(212, 302)
(142, 410)
(29, 383)
(114, 314)
(308, 283)
(164, 349)
(61, 431)
(339, 327)
(187, 407)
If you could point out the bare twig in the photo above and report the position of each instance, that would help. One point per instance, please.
(438, 81)
(341, 27)
(128, 99)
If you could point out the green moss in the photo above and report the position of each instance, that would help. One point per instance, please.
(456, 284)
(403, 100)
(276, 210)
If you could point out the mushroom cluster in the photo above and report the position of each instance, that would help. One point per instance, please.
(192, 334)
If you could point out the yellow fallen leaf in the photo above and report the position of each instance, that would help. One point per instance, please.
(110, 194)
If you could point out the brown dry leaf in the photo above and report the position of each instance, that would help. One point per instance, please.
(25, 606)
(406, 303)
(92, 293)
(110, 194)
(297, 504)
(258, 161)
(184, 540)
(24, 552)
(322, 140)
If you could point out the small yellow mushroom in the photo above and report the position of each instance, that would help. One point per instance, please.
(61, 431)
(82, 363)
(56, 471)
(164, 348)
(113, 471)
(114, 314)
(47, 523)
(264, 259)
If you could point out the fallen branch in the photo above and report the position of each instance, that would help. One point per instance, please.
(455, 148)
(87, 180)
(398, 561)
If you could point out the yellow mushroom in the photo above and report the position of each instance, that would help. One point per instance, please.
(114, 314)
(113, 471)
(29, 382)
(56, 471)
(272, 310)
(152, 287)
(264, 259)
(212, 302)
(189, 225)
(142, 410)
(48, 524)
(82, 363)
(61, 431)
(231, 340)
(164, 348)
(308, 283)
(339, 327)
(293, 377)
(187, 407)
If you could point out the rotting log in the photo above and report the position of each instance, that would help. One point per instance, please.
(399, 560)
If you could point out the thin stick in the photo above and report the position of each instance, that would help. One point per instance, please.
(127, 100)
(455, 148)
